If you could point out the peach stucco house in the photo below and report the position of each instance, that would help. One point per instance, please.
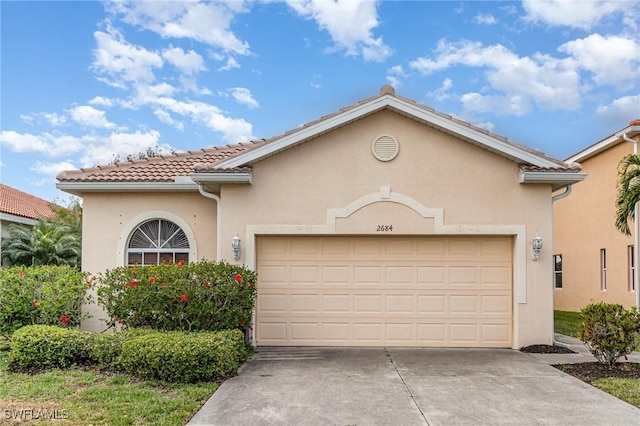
(385, 223)
(593, 261)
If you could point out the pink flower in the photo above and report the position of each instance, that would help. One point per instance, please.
(206, 284)
(151, 279)
(133, 282)
(21, 273)
(238, 278)
(180, 264)
(164, 285)
(241, 321)
(184, 297)
(35, 303)
(64, 319)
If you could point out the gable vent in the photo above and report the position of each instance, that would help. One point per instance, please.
(385, 148)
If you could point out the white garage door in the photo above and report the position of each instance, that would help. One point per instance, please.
(384, 291)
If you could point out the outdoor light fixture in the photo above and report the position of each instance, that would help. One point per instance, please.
(235, 245)
(536, 246)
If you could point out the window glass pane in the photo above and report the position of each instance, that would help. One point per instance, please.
(559, 280)
(166, 257)
(135, 259)
(151, 258)
(182, 257)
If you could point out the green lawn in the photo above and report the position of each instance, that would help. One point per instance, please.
(627, 390)
(90, 397)
(567, 323)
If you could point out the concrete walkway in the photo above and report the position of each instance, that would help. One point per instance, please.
(403, 386)
(582, 353)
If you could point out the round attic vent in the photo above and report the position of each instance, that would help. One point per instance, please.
(385, 148)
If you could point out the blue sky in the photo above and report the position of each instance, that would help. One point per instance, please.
(84, 81)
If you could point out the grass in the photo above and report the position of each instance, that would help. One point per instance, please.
(85, 397)
(627, 390)
(567, 323)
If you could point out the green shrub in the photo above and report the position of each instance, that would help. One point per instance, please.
(107, 347)
(609, 331)
(49, 346)
(184, 357)
(50, 295)
(192, 297)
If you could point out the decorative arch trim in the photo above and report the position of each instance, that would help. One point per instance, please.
(133, 224)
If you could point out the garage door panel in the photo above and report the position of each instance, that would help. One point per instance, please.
(368, 291)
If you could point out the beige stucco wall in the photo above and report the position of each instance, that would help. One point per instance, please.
(476, 191)
(584, 223)
(109, 218)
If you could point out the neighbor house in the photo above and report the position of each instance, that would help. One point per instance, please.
(383, 224)
(593, 261)
(17, 207)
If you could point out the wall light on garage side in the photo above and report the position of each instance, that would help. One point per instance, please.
(235, 245)
(536, 246)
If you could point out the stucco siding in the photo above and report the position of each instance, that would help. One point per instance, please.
(476, 191)
(584, 223)
(107, 216)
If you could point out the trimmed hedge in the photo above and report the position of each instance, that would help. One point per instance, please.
(184, 357)
(49, 346)
(198, 296)
(177, 356)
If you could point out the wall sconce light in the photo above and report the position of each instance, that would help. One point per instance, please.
(536, 246)
(235, 245)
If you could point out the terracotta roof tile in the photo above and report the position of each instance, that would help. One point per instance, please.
(21, 204)
(156, 169)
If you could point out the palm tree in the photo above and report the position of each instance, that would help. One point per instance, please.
(46, 243)
(628, 191)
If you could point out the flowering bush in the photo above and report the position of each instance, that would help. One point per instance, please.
(194, 296)
(41, 295)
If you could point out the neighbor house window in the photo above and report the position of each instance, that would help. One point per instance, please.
(632, 268)
(157, 241)
(603, 269)
(557, 271)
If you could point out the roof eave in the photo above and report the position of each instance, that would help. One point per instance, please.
(604, 144)
(556, 179)
(79, 188)
(222, 177)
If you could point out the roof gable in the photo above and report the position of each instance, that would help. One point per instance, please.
(633, 129)
(388, 100)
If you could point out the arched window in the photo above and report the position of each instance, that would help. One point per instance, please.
(157, 241)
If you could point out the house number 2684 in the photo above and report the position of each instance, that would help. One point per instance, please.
(384, 228)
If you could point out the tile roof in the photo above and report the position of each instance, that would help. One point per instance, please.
(21, 204)
(156, 169)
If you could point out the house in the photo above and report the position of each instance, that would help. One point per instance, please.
(385, 223)
(593, 261)
(17, 207)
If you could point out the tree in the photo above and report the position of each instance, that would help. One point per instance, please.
(628, 191)
(150, 152)
(46, 243)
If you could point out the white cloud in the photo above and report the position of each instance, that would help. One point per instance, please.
(89, 116)
(574, 13)
(166, 118)
(51, 118)
(542, 80)
(229, 65)
(441, 93)
(394, 74)
(243, 96)
(205, 22)
(189, 63)
(120, 60)
(101, 101)
(485, 19)
(52, 169)
(53, 145)
(621, 111)
(350, 24)
(613, 60)
(101, 150)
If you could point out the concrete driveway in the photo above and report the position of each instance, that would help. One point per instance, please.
(401, 386)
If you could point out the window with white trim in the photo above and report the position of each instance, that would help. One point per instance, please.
(632, 267)
(557, 271)
(603, 269)
(157, 241)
